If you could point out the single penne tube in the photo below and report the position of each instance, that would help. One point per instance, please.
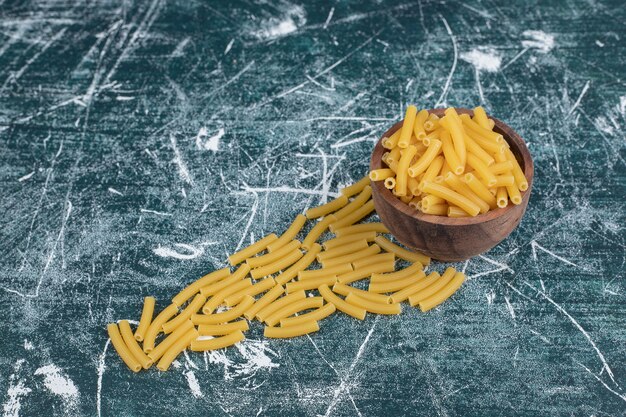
(128, 337)
(344, 290)
(414, 269)
(353, 217)
(268, 258)
(255, 289)
(324, 209)
(403, 165)
(479, 189)
(317, 231)
(355, 204)
(432, 171)
(372, 306)
(315, 315)
(433, 288)
(421, 283)
(291, 232)
(218, 298)
(156, 353)
(400, 252)
(302, 264)
(469, 124)
(146, 317)
(310, 284)
(452, 197)
(356, 188)
(122, 350)
(443, 294)
(156, 326)
(345, 239)
(264, 301)
(436, 209)
(407, 126)
(482, 170)
(351, 257)
(452, 159)
(486, 144)
(366, 271)
(514, 194)
(381, 258)
(520, 178)
(325, 272)
(360, 228)
(500, 156)
(293, 308)
(289, 259)
(460, 187)
(501, 168)
(223, 329)
(452, 124)
(176, 349)
(394, 155)
(235, 277)
(349, 247)
(291, 331)
(342, 305)
(432, 200)
(454, 211)
(431, 136)
(391, 141)
(413, 186)
(193, 288)
(253, 249)
(390, 183)
(478, 151)
(502, 197)
(397, 285)
(415, 203)
(381, 174)
(492, 124)
(424, 162)
(204, 345)
(269, 309)
(418, 125)
(225, 316)
(195, 305)
(480, 117)
(504, 181)
(431, 123)
(421, 148)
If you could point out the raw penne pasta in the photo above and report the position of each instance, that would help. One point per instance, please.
(344, 290)
(514, 194)
(392, 141)
(436, 209)
(480, 189)
(460, 187)
(225, 316)
(381, 174)
(264, 301)
(304, 262)
(390, 183)
(356, 187)
(218, 297)
(325, 272)
(504, 181)
(255, 289)
(443, 294)
(454, 211)
(452, 124)
(452, 159)
(345, 239)
(176, 349)
(310, 284)
(488, 145)
(203, 345)
(293, 308)
(360, 228)
(266, 311)
(353, 217)
(195, 305)
(121, 348)
(482, 170)
(433, 288)
(502, 197)
(349, 247)
(146, 318)
(323, 210)
(366, 271)
(400, 252)
(479, 152)
(431, 200)
(253, 249)
(452, 197)
(520, 178)
(432, 171)
(235, 277)
(355, 204)
(156, 353)
(291, 232)
(421, 283)
(432, 135)
(413, 187)
(291, 331)
(394, 155)
(477, 129)
(425, 161)
(381, 258)
(397, 285)
(431, 123)
(193, 288)
(271, 257)
(157, 326)
(223, 329)
(480, 117)
(276, 266)
(418, 124)
(369, 251)
(372, 306)
(315, 315)
(129, 339)
(413, 269)
(342, 305)
(501, 167)
(403, 165)
(317, 231)
(407, 127)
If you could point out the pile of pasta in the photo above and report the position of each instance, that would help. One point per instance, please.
(289, 285)
(452, 166)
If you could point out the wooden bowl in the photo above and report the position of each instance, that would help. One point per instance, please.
(446, 238)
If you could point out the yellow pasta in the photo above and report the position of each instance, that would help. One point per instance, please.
(276, 266)
(310, 284)
(156, 353)
(452, 159)
(269, 258)
(334, 205)
(452, 124)
(304, 262)
(480, 117)
(514, 194)
(520, 178)
(349, 247)
(372, 306)
(317, 231)
(391, 141)
(381, 258)
(457, 185)
(253, 249)
(400, 252)
(454, 211)
(132, 345)
(413, 269)
(366, 271)
(413, 186)
(255, 289)
(401, 173)
(293, 308)
(292, 330)
(423, 294)
(425, 161)
(392, 286)
(224, 316)
(418, 124)
(195, 305)
(353, 217)
(478, 151)
(315, 315)
(121, 348)
(420, 284)
(431, 123)
(432, 171)
(502, 197)
(203, 345)
(436, 209)
(176, 349)
(488, 145)
(223, 329)
(325, 272)
(480, 189)
(236, 276)
(360, 228)
(452, 197)
(266, 311)
(345, 239)
(488, 178)
(355, 204)
(501, 168)
(157, 326)
(394, 156)
(146, 318)
(344, 290)
(480, 131)
(369, 251)
(342, 305)
(193, 288)
(381, 174)
(390, 183)
(289, 234)
(407, 127)
(218, 297)
(264, 301)
(356, 187)
(445, 293)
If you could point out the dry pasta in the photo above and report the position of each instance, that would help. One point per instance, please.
(423, 294)
(353, 217)
(222, 329)
(276, 266)
(128, 337)
(345, 239)
(317, 231)
(324, 272)
(381, 258)
(264, 301)
(293, 308)
(291, 232)
(315, 315)
(403, 273)
(194, 287)
(392, 286)
(271, 257)
(443, 294)
(344, 290)
(146, 317)
(407, 127)
(400, 252)
(176, 349)
(156, 353)
(195, 305)
(280, 303)
(121, 348)
(218, 298)
(291, 331)
(236, 276)
(253, 249)
(225, 316)
(157, 326)
(373, 307)
(356, 187)
(304, 262)
(369, 251)
(342, 305)
(420, 284)
(349, 247)
(309, 284)
(201, 345)
(255, 289)
(360, 228)
(334, 205)
(355, 204)
(366, 271)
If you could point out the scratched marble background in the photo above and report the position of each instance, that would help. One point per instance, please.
(140, 142)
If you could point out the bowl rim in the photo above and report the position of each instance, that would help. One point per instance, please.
(513, 139)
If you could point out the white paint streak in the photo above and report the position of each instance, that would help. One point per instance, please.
(622, 396)
(160, 213)
(483, 59)
(509, 307)
(286, 189)
(578, 100)
(59, 384)
(330, 16)
(193, 383)
(101, 369)
(229, 46)
(210, 144)
(190, 252)
(534, 245)
(183, 172)
(25, 177)
(539, 40)
(114, 191)
(16, 391)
